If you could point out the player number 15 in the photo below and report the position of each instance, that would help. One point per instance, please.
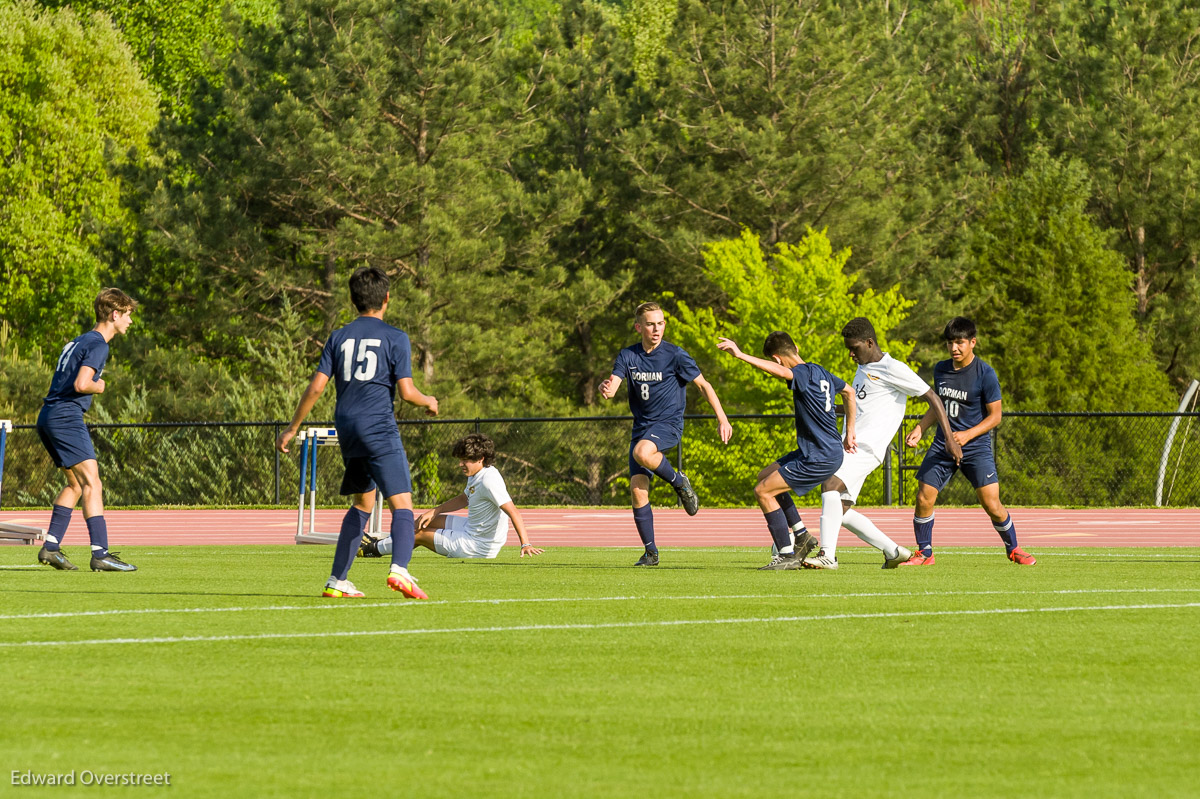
(367, 361)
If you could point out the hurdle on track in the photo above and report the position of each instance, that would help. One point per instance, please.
(309, 440)
(11, 530)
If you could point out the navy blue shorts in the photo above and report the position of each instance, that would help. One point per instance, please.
(938, 467)
(65, 437)
(664, 436)
(803, 475)
(387, 471)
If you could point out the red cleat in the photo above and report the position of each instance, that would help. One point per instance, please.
(1021, 557)
(918, 559)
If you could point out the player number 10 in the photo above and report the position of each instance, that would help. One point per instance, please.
(367, 361)
(952, 409)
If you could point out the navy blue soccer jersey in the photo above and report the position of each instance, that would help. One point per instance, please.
(656, 382)
(813, 389)
(365, 359)
(966, 393)
(89, 349)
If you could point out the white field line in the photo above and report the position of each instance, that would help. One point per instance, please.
(402, 605)
(586, 626)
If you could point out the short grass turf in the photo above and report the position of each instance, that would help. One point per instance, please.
(575, 674)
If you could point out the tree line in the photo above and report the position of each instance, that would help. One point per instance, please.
(528, 172)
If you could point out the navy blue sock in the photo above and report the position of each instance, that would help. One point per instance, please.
(348, 539)
(666, 471)
(923, 529)
(60, 517)
(788, 506)
(643, 517)
(777, 525)
(403, 530)
(98, 532)
(1008, 531)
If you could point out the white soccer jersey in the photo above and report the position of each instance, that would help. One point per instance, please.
(486, 492)
(882, 389)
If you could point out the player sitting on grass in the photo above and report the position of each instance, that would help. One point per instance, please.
(819, 445)
(368, 360)
(658, 373)
(970, 391)
(882, 386)
(65, 436)
(484, 530)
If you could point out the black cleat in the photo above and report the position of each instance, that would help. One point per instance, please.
(369, 547)
(648, 558)
(782, 563)
(691, 502)
(806, 544)
(57, 559)
(111, 563)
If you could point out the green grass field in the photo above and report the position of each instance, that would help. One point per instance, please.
(576, 675)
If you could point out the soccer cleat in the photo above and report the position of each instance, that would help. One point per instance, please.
(1021, 557)
(369, 547)
(902, 556)
(648, 558)
(691, 502)
(400, 580)
(806, 544)
(111, 563)
(782, 563)
(341, 589)
(56, 558)
(820, 561)
(919, 558)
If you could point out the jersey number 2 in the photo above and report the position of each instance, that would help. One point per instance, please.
(828, 399)
(366, 361)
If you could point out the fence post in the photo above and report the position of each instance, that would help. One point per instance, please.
(887, 480)
(274, 438)
(900, 463)
(477, 425)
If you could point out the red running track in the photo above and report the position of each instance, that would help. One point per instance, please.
(1122, 527)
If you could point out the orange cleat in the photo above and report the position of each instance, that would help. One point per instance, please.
(400, 580)
(918, 559)
(1021, 557)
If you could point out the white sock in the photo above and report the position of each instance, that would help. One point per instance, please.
(385, 546)
(831, 521)
(865, 529)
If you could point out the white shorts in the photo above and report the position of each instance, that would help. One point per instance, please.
(454, 541)
(855, 468)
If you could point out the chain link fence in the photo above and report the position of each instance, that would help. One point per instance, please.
(1079, 459)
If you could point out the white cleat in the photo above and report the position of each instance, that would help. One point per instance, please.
(820, 561)
(902, 554)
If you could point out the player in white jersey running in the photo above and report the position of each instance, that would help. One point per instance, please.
(882, 386)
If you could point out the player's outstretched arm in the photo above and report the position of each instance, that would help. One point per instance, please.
(918, 432)
(519, 525)
(410, 394)
(938, 411)
(770, 367)
(724, 428)
(608, 388)
(449, 506)
(850, 403)
(307, 400)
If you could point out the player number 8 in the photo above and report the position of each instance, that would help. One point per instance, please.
(644, 388)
